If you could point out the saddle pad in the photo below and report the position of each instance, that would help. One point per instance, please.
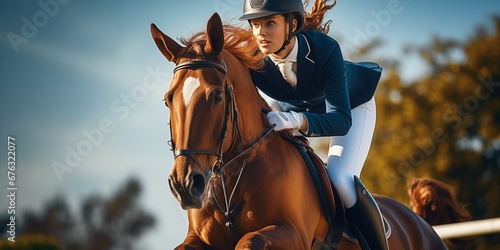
(330, 199)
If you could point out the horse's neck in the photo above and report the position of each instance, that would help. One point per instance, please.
(248, 101)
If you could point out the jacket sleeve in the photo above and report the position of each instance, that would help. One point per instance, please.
(336, 121)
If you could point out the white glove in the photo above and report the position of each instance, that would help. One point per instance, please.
(285, 120)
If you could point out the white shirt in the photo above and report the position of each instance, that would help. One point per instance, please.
(292, 57)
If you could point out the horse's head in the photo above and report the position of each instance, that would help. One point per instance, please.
(435, 202)
(201, 109)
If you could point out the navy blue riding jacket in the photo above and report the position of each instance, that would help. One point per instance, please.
(327, 86)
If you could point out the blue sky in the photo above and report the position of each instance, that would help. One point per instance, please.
(89, 69)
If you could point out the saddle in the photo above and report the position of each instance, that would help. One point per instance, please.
(330, 199)
(331, 203)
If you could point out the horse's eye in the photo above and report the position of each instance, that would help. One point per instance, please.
(168, 99)
(218, 97)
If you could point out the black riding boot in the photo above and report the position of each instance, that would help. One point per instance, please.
(366, 218)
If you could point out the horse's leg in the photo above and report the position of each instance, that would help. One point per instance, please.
(191, 242)
(281, 236)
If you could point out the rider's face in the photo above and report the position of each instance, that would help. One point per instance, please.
(270, 32)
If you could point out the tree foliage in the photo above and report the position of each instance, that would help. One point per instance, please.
(116, 222)
(445, 125)
(31, 242)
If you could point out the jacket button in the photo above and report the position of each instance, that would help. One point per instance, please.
(304, 101)
(307, 109)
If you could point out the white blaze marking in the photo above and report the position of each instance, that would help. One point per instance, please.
(190, 85)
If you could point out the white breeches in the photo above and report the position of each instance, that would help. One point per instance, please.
(347, 154)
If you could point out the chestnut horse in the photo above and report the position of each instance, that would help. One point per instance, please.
(243, 185)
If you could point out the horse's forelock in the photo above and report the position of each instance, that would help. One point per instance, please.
(237, 41)
(194, 49)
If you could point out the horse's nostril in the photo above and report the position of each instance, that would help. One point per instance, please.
(172, 185)
(197, 185)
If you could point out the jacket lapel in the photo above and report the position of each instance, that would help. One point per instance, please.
(275, 82)
(305, 62)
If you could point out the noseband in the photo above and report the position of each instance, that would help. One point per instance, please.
(230, 113)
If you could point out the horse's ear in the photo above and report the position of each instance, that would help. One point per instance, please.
(215, 35)
(168, 47)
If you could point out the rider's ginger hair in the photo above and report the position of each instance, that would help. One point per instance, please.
(314, 19)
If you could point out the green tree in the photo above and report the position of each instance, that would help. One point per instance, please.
(445, 125)
(30, 242)
(116, 222)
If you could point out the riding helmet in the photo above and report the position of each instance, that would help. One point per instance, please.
(262, 8)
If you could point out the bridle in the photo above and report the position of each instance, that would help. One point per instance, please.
(230, 114)
(218, 166)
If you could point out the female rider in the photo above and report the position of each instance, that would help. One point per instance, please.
(317, 93)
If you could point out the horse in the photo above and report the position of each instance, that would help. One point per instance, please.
(245, 186)
(436, 202)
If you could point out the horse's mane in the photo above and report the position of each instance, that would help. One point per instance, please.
(435, 202)
(237, 41)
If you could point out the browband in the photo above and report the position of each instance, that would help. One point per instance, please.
(201, 63)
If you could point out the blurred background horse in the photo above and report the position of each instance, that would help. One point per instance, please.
(436, 203)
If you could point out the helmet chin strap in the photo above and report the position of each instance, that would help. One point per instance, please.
(290, 35)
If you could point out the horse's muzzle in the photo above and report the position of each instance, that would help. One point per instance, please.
(189, 192)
